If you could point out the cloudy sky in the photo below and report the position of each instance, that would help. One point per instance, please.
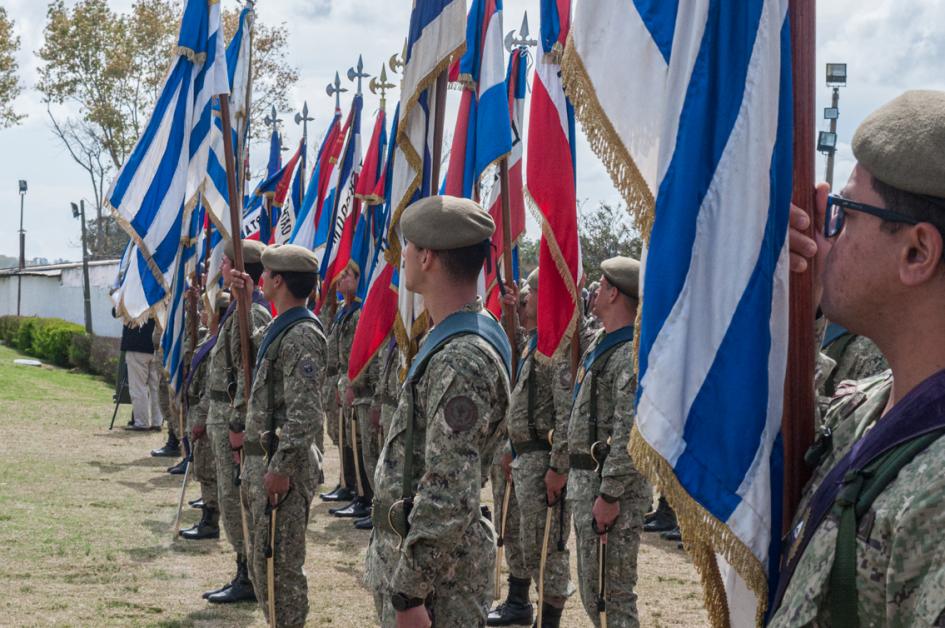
(889, 46)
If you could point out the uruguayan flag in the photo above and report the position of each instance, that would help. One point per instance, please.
(155, 190)
(692, 102)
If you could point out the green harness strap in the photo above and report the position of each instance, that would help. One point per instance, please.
(860, 490)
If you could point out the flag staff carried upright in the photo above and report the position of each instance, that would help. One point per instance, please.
(303, 119)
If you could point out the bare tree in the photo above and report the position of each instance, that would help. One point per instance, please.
(10, 86)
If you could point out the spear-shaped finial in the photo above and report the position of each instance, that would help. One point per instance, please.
(380, 84)
(335, 89)
(522, 41)
(272, 119)
(358, 74)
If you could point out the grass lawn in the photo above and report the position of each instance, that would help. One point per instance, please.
(86, 539)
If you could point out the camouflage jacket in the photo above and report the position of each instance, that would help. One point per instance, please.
(340, 338)
(856, 357)
(459, 404)
(535, 381)
(196, 409)
(563, 389)
(295, 376)
(226, 365)
(900, 549)
(387, 388)
(616, 389)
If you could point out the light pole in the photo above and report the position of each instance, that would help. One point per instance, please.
(78, 211)
(22, 265)
(836, 78)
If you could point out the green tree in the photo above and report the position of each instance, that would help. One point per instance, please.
(100, 77)
(10, 86)
(605, 231)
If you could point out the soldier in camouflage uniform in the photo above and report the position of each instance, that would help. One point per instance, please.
(866, 547)
(171, 448)
(360, 395)
(432, 552)
(370, 421)
(605, 491)
(226, 413)
(203, 467)
(334, 417)
(281, 465)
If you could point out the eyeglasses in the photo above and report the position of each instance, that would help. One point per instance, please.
(837, 207)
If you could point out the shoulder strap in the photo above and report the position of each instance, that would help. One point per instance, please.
(860, 490)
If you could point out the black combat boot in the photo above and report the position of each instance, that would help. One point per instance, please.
(364, 523)
(240, 590)
(207, 528)
(171, 448)
(672, 535)
(516, 610)
(662, 519)
(340, 494)
(360, 507)
(180, 468)
(197, 503)
(550, 616)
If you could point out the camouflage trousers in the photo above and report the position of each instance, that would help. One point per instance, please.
(463, 595)
(512, 547)
(291, 585)
(228, 493)
(330, 402)
(623, 546)
(168, 410)
(352, 429)
(205, 472)
(528, 473)
(370, 440)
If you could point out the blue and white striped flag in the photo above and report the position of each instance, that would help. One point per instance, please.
(216, 194)
(436, 35)
(156, 189)
(690, 107)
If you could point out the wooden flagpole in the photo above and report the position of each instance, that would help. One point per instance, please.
(242, 305)
(510, 317)
(797, 425)
(439, 112)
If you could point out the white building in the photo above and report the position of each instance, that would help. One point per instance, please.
(55, 291)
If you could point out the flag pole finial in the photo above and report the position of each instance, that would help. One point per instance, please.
(381, 84)
(396, 63)
(522, 41)
(335, 89)
(358, 73)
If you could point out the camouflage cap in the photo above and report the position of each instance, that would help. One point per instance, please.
(222, 301)
(252, 251)
(533, 280)
(289, 258)
(901, 143)
(442, 223)
(623, 273)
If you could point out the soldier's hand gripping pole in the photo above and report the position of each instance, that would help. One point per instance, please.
(500, 542)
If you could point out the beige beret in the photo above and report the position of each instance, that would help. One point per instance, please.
(624, 274)
(289, 258)
(222, 300)
(446, 222)
(252, 251)
(533, 280)
(903, 143)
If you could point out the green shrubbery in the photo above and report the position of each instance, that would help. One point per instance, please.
(62, 343)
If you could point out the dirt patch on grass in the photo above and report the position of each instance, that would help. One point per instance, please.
(85, 529)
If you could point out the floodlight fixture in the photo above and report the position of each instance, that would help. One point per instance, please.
(831, 113)
(836, 74)
(826, 142)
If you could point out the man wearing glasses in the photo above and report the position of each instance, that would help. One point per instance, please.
(866, 547)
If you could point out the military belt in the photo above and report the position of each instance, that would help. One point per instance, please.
(220, 395)
(584, 462)
(528, 446)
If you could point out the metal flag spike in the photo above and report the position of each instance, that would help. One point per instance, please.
(271, 119)
(522, 40)
(359, 74)
(303, 117)
(335, 89)
(397, 62)
(380, 84)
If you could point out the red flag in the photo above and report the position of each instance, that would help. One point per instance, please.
(551, 188)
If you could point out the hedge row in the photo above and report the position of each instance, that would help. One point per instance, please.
(62, 343)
